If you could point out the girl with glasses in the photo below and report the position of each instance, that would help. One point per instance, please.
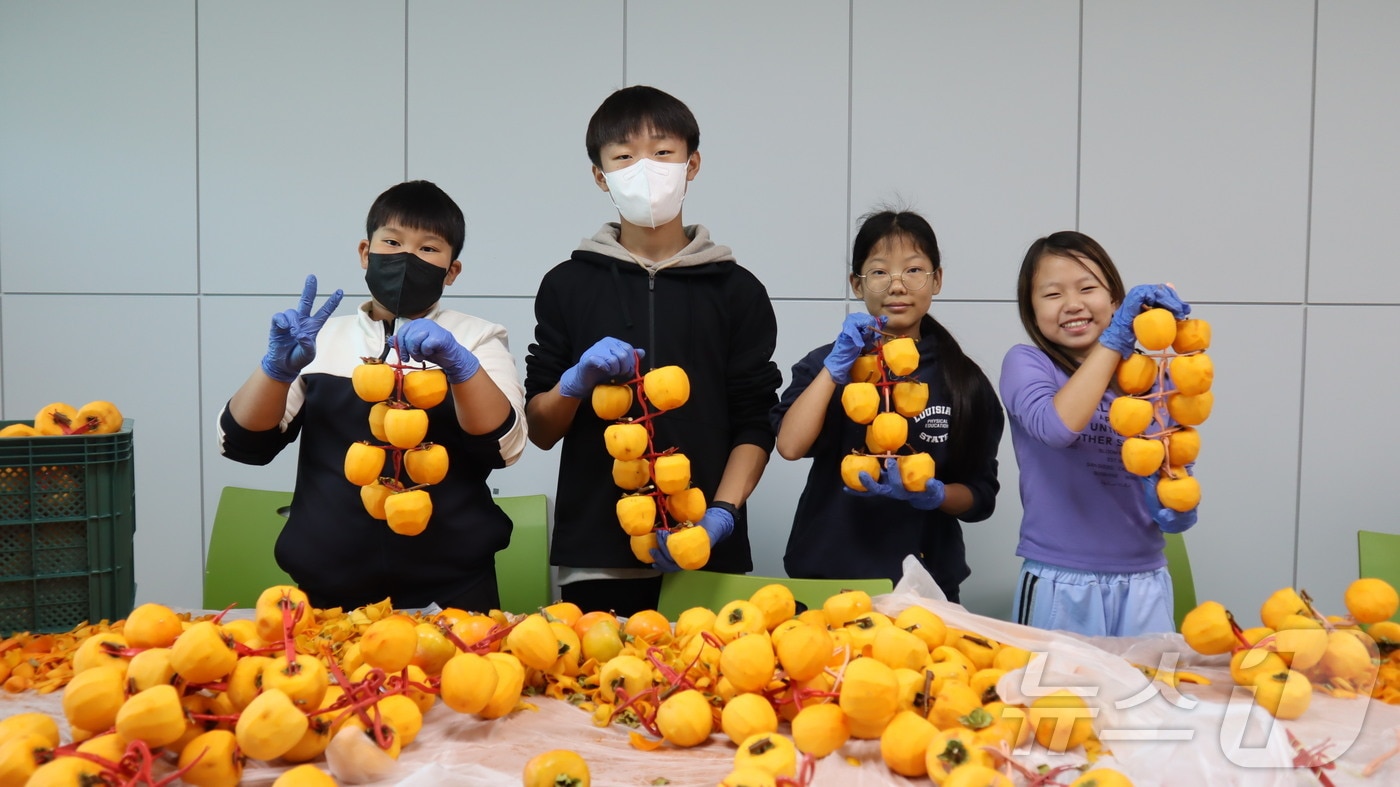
(841, 533)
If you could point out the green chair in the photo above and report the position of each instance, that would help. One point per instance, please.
(1183, 583)
(682, 590)
(522, 569)
(240, 565)
(1378, 555)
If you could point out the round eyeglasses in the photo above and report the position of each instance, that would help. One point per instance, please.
(879, 281)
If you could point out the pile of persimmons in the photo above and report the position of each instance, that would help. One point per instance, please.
(1297, 650)
(303, 686)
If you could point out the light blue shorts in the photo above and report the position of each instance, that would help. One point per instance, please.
(1094, 603)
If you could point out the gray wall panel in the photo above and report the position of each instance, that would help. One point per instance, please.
(772, 106)
(1195, 138)
(498, 119)
(1356, 162)
(301, 125)
(1347, 468)
(947, 118)
(97, 147)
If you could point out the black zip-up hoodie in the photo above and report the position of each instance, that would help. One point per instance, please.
(701, 311)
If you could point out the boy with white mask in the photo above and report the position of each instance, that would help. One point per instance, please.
(649, 287)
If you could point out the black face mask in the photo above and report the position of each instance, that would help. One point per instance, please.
(403, 283)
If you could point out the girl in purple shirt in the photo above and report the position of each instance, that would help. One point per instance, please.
(1091, 538)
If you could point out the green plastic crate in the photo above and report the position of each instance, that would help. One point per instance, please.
(67, 518)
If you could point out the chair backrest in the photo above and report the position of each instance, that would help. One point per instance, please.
(522, 569)
(1183, 583)
(240, 565)
(682, 590)
(1378, 555)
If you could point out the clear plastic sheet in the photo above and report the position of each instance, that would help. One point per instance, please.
(463, 751)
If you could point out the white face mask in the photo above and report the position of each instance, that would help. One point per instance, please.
(648, 193)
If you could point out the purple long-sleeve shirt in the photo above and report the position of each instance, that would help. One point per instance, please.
(1082, 510)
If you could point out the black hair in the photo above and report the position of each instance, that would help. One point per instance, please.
(967, 385)
(637, 109)
(1074, 246)
(419, 205)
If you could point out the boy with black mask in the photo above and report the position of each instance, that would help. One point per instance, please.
(331, 546)
(653, 286)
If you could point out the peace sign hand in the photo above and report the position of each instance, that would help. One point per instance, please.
(291, 344)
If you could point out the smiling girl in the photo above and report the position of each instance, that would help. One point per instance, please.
(837, 533)
(1091, 538)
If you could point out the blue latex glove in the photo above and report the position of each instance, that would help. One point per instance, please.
(609, 358)
(890, 486)
(1118, 336)
(1168, 520)
(425, 340)
(850, 343)
(718, 524)
(292, 342)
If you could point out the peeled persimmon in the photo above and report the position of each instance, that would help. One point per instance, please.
(425, 388)
(861, 401)
(666, 387)
(97, 417)
(1183, 445)
(407, 513)
(389, 643)
(1062, 720)
(1181, 493)
(642, 546)
(373, 497)
(376, 421)
(636, 514)
(555, 767)
(1192, 374)
(55, 418)
(685, 719)
(672, 473)
(1142, 456)
(626, 441)
(910, 398)
(852, 465)
(901, 355)
(689, 547)
(819, 730)
(888, 432)
(1371, 600)
(405, 427)
(1191, 336)
(767, 752)
(611, 402)
(1190, 410)
(373, 380)
(1155, 329)
(865, 369)
(468, 681)
(631, 473)
(1130, 417)
(426, 464)
(1136, 374)
(363, 463)
(915, 471)
(687, 505)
